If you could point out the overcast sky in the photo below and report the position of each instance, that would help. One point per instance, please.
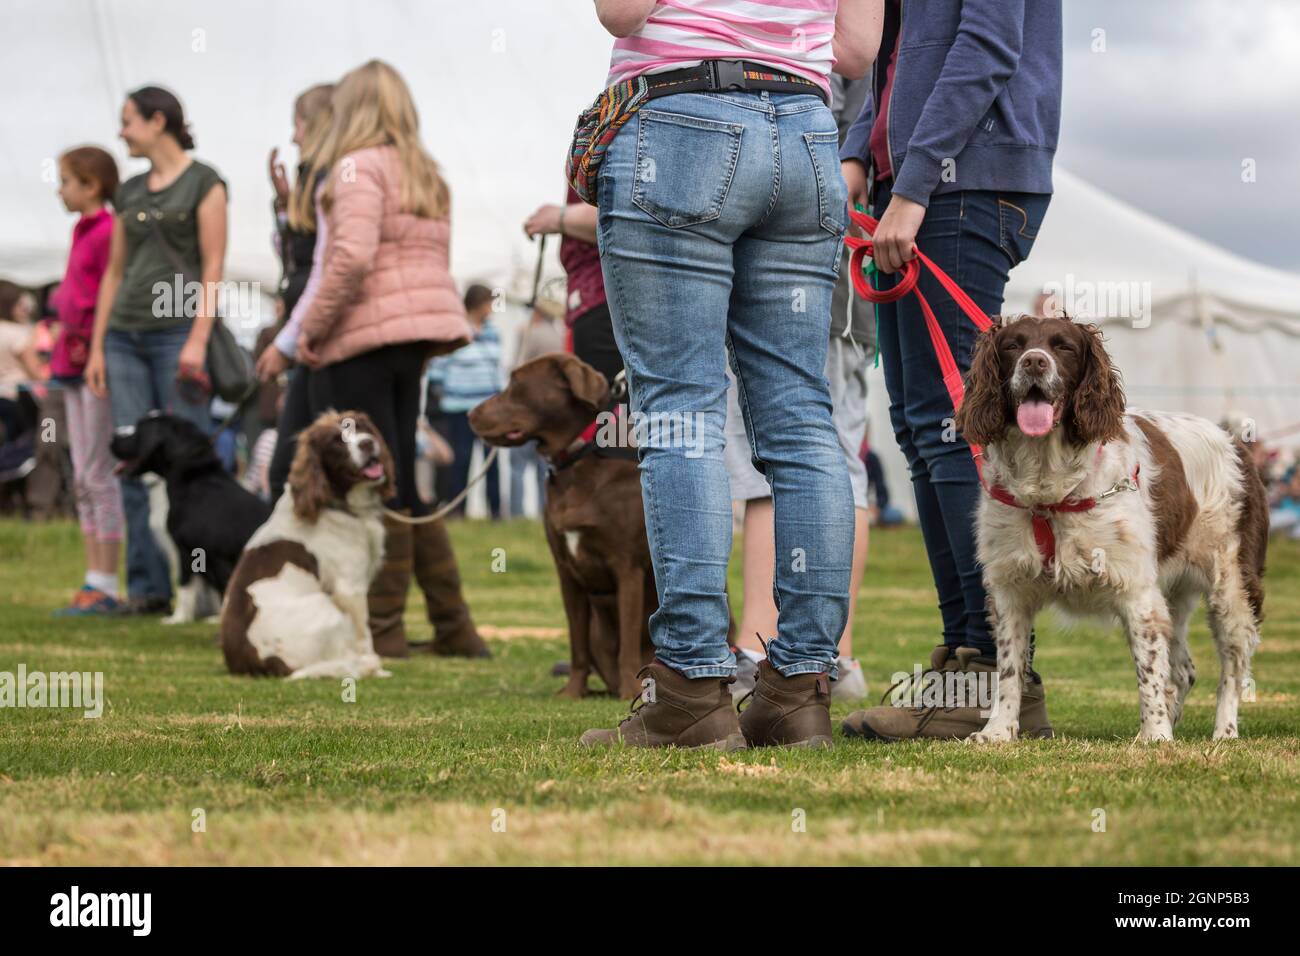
(1184, 93)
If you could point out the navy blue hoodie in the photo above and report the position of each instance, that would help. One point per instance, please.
(978, 84)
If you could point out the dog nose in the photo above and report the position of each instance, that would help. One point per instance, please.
(1035, 363)
(366, 444)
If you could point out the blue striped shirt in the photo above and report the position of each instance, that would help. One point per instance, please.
(469, 375)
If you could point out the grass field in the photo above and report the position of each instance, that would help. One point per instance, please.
(460, 762)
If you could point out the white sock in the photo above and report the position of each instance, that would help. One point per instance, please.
(754, 656)
(103, 581)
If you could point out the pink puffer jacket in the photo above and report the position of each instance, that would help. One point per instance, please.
(387, 276)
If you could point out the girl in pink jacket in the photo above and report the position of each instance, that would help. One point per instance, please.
(384, 303)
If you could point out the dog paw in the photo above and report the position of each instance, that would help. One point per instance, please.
(383, 673)
(994, 735)
(1155, 735)
(171, 619)
(574, 689)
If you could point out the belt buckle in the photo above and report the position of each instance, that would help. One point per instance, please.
(728, 74)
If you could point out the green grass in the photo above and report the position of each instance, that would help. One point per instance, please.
(421, 766)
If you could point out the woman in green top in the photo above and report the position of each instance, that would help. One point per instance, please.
(157, 304)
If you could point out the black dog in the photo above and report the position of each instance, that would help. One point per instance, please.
(210, 516)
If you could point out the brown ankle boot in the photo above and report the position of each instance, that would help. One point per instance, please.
(788, 711)
(387, 597)
(675, 711)
(946, 704)
(454, 634)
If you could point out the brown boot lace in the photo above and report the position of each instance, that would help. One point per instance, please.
(744, 699)
(926, 712)
(640, 701)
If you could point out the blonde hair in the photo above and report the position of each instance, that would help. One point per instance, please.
(373, 107)
(313, 107)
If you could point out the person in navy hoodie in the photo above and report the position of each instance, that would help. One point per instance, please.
(953, 154)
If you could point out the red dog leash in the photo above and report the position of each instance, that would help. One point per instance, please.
(1044, 536)
(862, 248)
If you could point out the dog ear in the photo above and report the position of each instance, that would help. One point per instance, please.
(1097, 406)
(982, 418)
(307, 479)
(587, 385)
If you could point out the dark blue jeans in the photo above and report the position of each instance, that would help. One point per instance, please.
(976, 237)
(141, 370)
(462, 440)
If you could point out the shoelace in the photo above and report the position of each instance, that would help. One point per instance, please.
(744, 699)
(638, 702)
(929, 710)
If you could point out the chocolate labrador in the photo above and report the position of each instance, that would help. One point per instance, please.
(593, 516)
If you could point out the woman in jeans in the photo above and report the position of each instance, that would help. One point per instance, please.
(151, 329)
(386, 302)
(721, 218)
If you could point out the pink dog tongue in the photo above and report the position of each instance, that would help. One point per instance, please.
(374, 471)
(1035, 418)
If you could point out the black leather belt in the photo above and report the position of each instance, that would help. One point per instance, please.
(715, 76)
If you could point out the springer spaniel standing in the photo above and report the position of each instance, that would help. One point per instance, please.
(1135, 514)
(296, 605)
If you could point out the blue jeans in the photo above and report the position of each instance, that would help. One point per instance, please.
(141, 370)
(462, 440)
(521, 459)
(976, 237)
(721, 219)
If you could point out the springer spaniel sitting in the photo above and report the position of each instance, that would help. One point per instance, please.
(296, 605)
(1135, 514)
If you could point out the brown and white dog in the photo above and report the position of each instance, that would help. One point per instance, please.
(296, 604)
(593, 516)
(1134, 514)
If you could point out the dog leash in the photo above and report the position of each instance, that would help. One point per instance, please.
(451, 505)
(237, 410)
(1040, 515)
(862, 248)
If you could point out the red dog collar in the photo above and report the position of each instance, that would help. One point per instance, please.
(1041, 515)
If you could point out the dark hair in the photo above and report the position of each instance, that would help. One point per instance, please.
(476, 295)
(150, 100)
(10, 293)
(90, 164)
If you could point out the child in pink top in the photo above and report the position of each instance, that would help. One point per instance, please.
(88, 179)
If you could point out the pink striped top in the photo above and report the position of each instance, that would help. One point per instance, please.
(789, 35)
